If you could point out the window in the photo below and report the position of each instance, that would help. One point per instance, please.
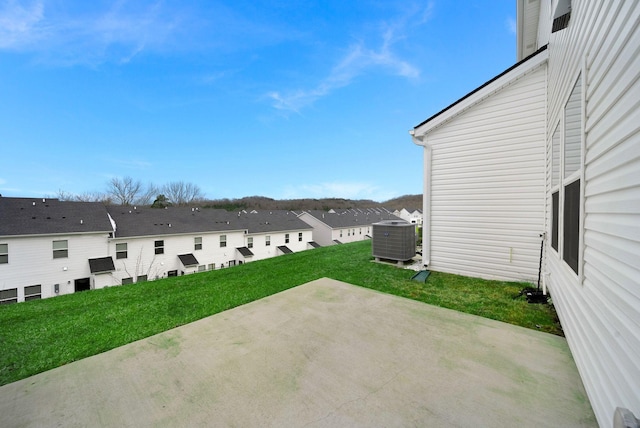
(141, 278)
(4, 253)
(555, 188)
(286, 238)
(223, 241)
(211, 266)
(197, 243)
(159, 247)
(8, 296)
(267, 241)
(250, 242)
(33, 292)
(299, 236)
(341, 233)
(566, 170)
(361, 228)
(202, 268)
(127, 281)
(121, 251)
(60, 249)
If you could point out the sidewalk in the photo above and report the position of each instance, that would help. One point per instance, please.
(324, 354)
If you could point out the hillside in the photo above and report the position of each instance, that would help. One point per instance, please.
(410, 202)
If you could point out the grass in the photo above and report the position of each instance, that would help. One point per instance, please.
(43, 334)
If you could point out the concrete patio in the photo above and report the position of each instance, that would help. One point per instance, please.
(323, 354)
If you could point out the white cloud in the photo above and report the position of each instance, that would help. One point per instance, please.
(511, 25)
(346, 190)
(358, 60)
(19, 24)
(61, 37)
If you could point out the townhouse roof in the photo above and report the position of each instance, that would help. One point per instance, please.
(271, 221)
(352, 217)
(38, 216)
(144, 221)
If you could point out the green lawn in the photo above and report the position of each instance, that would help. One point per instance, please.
(43, 334)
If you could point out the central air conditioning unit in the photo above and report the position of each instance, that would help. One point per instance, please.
(394, 240)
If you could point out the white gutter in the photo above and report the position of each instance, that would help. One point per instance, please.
(426, 199)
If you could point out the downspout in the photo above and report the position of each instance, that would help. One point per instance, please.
(426, 199)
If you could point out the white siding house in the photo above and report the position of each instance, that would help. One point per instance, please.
(46, 245)
(330, 228)
(410, 216)
(151, 243)
(272, 233)
(484, 177)
(586, 125)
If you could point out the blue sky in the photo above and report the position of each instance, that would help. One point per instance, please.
(282, 99)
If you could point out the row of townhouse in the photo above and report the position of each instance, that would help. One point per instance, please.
(547, 154)
(50, 247)
(332, 227)
(410, 216)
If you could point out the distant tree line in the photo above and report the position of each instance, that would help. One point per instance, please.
(127, 191)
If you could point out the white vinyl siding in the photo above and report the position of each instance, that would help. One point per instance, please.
(31, 262)
(487, 184)
(599, 310)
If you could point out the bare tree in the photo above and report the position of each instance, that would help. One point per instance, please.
(181, 193)
(124, 191)
(84, 197)
(147, 195)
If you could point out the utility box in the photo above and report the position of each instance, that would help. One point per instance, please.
(394, 240)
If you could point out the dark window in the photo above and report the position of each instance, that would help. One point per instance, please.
(141, 278)
(60, 249)
(4, 253)
(33, 292)
(121, 251)
(555, 212)
(197, 243)
(223, 241)
(8, 296)
(299, 236)
(571, 224)
(159, 247)
(127, 281)
(172, 273)
(286, 238)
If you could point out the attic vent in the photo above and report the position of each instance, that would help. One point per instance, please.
(561, 15)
